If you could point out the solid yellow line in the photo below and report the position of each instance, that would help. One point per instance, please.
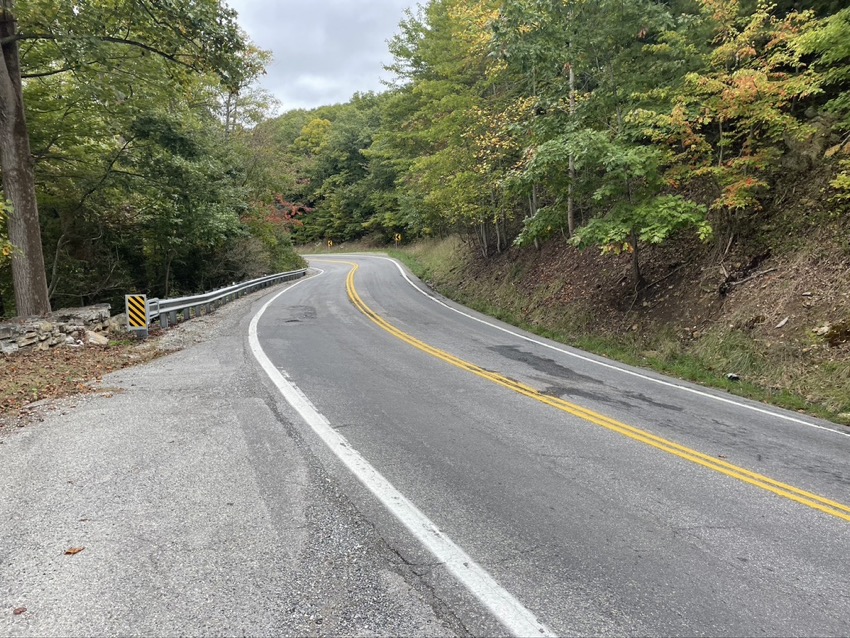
(809, 499)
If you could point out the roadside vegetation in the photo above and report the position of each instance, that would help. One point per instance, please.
(791, 367)
(666, 182)
(139, 120)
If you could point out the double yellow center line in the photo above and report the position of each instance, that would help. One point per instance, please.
(790, 492)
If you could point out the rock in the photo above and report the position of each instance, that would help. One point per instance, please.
(96, 339)
(84, 316)
(838, 334)
(822, 330)
(118, 323)
(9, 348)
(733, 377)
(28, 339)
(782, 323)
(807, 294)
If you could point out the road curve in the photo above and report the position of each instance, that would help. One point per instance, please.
(602, 499)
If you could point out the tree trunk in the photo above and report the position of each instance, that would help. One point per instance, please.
(28, 274)
(571, 216)
(167, 285)
(483, 239)
(230, 113)
(637, 275)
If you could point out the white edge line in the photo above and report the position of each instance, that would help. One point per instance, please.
(501, 603)
(608, 365)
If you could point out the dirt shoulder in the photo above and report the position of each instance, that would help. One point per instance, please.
(35, 383)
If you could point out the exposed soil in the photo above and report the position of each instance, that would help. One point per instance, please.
(772, 308)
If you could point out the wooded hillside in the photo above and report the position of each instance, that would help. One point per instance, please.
(663, 181)
(138, 118)
(607, 124)
(612, 124)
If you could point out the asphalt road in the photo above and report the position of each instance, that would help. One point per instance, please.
(603, 499)
(198, 511)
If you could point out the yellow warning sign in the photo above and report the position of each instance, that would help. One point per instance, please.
(137, 311)
(330, 243)
(397, 239)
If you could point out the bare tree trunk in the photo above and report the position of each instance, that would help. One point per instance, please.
(54, 271)
(485, 239)
(227, 110)
(28, 274)
(503, 219)
(230, 114)
(571, 217)
(637, 275)
(167, 286)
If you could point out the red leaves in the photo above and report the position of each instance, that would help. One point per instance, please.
(18, 611)
(73, 551)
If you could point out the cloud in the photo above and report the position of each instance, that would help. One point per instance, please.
(324, 50)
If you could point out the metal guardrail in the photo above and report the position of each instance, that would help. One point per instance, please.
(170, 311)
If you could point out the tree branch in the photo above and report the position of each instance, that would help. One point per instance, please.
(45, 74)
(109, 169)
(21, 37)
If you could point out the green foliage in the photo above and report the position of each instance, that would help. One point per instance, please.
(147, 165)
(653, 222)
(621, 122)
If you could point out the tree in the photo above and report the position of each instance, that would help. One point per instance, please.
(30, 279)
(196, 36)
(636, 208)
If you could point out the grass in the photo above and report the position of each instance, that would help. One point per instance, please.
(770, 373)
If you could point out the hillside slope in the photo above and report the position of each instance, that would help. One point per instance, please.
(772, 309)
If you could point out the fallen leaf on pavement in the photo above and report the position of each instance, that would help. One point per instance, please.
(73, 550)
(19, 611)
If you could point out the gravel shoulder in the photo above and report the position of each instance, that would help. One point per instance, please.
(176, 499)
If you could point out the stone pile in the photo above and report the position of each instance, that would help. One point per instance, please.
(71, 326)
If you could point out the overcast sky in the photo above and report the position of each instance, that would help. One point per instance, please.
(324, 50)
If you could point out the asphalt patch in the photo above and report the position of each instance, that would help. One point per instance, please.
(544, 365)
